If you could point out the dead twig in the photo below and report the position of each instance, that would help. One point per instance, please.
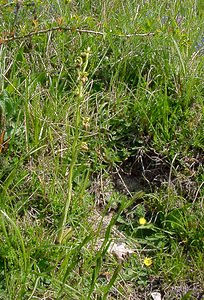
(71, 29)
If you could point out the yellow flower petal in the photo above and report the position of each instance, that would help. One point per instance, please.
(147, 261)
(142, 221)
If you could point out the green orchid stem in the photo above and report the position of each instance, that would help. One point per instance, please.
(75, 150)
(70, 178)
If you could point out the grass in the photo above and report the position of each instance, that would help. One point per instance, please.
(101, 124)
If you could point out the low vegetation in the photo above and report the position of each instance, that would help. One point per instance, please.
(101, 149)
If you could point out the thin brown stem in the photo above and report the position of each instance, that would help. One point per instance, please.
(71, 29)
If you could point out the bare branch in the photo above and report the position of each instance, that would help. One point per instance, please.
(78, 30)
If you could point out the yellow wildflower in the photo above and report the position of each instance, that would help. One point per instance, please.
(142, 221)
(147, 261)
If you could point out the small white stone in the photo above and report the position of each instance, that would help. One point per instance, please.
(156, 296)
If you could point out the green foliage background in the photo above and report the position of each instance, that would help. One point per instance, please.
(140, 112)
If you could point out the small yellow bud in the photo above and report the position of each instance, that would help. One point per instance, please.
(84, 147)
(78, 62)
(86, 123)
